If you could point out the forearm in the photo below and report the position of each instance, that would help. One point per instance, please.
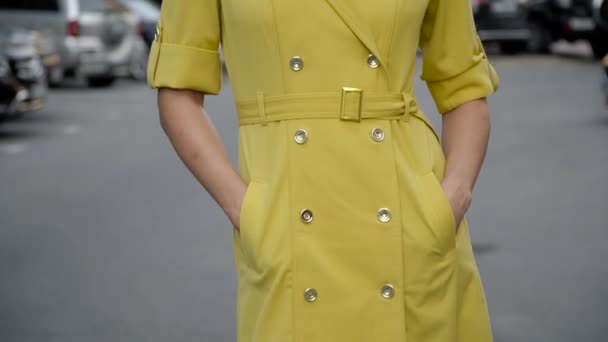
(198, 145)
(465, 136)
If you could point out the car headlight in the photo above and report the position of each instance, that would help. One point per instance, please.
(4, 67)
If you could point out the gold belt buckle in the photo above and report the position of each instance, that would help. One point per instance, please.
(346, 112)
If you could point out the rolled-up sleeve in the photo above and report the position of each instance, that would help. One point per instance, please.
(185, 52)
(455, 65)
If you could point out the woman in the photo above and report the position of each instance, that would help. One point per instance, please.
(349, 222)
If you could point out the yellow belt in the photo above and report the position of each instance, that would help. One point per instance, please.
(349, 104)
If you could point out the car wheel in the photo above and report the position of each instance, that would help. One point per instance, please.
(540, 38)
(101, 81)
(512, 48)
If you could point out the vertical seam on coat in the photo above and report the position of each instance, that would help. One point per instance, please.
(291, 234)
(278, 43)
(390, 42)
(390, 39)
(401, 228)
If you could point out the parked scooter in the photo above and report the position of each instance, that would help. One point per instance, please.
(12, 93)
(21, 50)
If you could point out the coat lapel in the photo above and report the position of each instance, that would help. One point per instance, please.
(356, 25)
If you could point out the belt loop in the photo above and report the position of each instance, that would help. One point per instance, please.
(261, 108)
(406, 107)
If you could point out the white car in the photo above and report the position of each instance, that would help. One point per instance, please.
(96, 39)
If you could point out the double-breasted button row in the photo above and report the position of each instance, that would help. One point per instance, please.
(301, 135)
(387, 291)
(384, 215)
(296, 63)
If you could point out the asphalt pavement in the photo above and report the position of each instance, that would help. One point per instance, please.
(105, 236)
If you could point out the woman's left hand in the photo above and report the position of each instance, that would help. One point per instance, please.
(459, 197)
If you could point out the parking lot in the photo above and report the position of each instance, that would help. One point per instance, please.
(106, 237)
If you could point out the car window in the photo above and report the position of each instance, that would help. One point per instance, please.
(31, 5)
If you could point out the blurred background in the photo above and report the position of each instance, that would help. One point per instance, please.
(104, 235)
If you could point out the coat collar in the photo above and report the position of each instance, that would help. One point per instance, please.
(358, 26)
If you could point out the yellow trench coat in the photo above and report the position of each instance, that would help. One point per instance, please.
(346, 234)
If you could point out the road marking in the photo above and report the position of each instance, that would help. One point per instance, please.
(13, 148)
(71, 129)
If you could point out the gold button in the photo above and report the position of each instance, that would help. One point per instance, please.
(384, 215)
(377, 134)
(296, 63)
(306, 216)
(373, 61)
(311, 295)
(388, 291)
(301, 136)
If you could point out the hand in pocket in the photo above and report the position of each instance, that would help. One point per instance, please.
(460, 200)
(235, 214)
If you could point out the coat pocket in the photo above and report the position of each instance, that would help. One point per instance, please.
(438, 211)
(249, 218)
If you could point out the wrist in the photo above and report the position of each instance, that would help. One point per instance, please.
(458, 188)
(233, 200)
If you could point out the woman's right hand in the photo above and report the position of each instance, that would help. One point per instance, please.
(185, 121)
